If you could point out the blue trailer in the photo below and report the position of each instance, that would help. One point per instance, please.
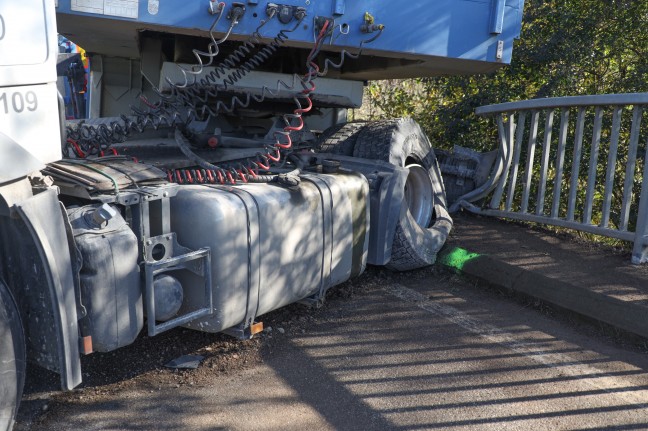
(421, 38)
(216, 178)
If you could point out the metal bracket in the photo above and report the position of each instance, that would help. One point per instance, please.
(338, 7)
(187, 261)
(497, 16)
(500, 50)
(316, 301)
(244, 332)
(162, 253)
(163, 247)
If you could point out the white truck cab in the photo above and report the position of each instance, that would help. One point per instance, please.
(30, 132)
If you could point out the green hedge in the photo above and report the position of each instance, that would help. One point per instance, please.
(569, 47)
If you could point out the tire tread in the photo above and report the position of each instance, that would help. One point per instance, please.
(375, 142)
(404, 257)
(340, 139)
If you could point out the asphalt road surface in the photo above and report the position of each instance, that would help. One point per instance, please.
(419, 351)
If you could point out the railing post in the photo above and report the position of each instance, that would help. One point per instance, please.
(640, 250)
(544, 166)
(560, 161)
(516, 159)
(591, 177)
(617, 111)
(576, 162)
(528, 170)
(630, 168)
(506, 135)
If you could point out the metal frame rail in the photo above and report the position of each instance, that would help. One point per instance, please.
(588, 179)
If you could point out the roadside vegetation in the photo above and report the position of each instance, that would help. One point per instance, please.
(566, 48)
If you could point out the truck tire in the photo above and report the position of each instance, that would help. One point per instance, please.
(12, 359)
(424, 222)
(339, 139)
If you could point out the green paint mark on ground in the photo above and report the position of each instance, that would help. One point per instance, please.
(458, 257)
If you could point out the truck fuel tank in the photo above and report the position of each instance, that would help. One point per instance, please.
(270, 245)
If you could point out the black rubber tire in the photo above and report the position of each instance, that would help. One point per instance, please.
(339, 139)
(402, 142)
(12, 359)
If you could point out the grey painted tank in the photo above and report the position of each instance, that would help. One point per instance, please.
(110, 279)
(271, 246)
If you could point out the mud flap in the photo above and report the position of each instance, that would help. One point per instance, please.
(386, 204)
(42, 216)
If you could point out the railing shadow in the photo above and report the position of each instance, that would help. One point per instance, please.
(383, 364)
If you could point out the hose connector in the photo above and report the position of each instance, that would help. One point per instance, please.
(370, 25)
(271, 10)
(236, 12)
(215, 7)
(290, 180)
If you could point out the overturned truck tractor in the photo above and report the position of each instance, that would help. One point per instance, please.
(213, 177)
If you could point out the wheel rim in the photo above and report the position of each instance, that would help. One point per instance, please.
(419, 194)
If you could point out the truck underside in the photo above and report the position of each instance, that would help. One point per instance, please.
(215, 178)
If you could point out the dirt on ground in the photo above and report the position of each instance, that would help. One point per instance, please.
(142, 364)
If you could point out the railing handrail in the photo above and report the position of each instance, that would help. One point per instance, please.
(567, 101)
(511, 119)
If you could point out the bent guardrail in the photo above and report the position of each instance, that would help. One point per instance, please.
(591, 178)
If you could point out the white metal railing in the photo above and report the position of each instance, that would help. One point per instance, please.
(593, 177)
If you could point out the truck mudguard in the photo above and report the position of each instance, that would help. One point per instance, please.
(42, 216)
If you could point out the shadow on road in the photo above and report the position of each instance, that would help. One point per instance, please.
(380, 363)
(405, 353)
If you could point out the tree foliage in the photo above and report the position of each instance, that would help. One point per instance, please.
(566, 47)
